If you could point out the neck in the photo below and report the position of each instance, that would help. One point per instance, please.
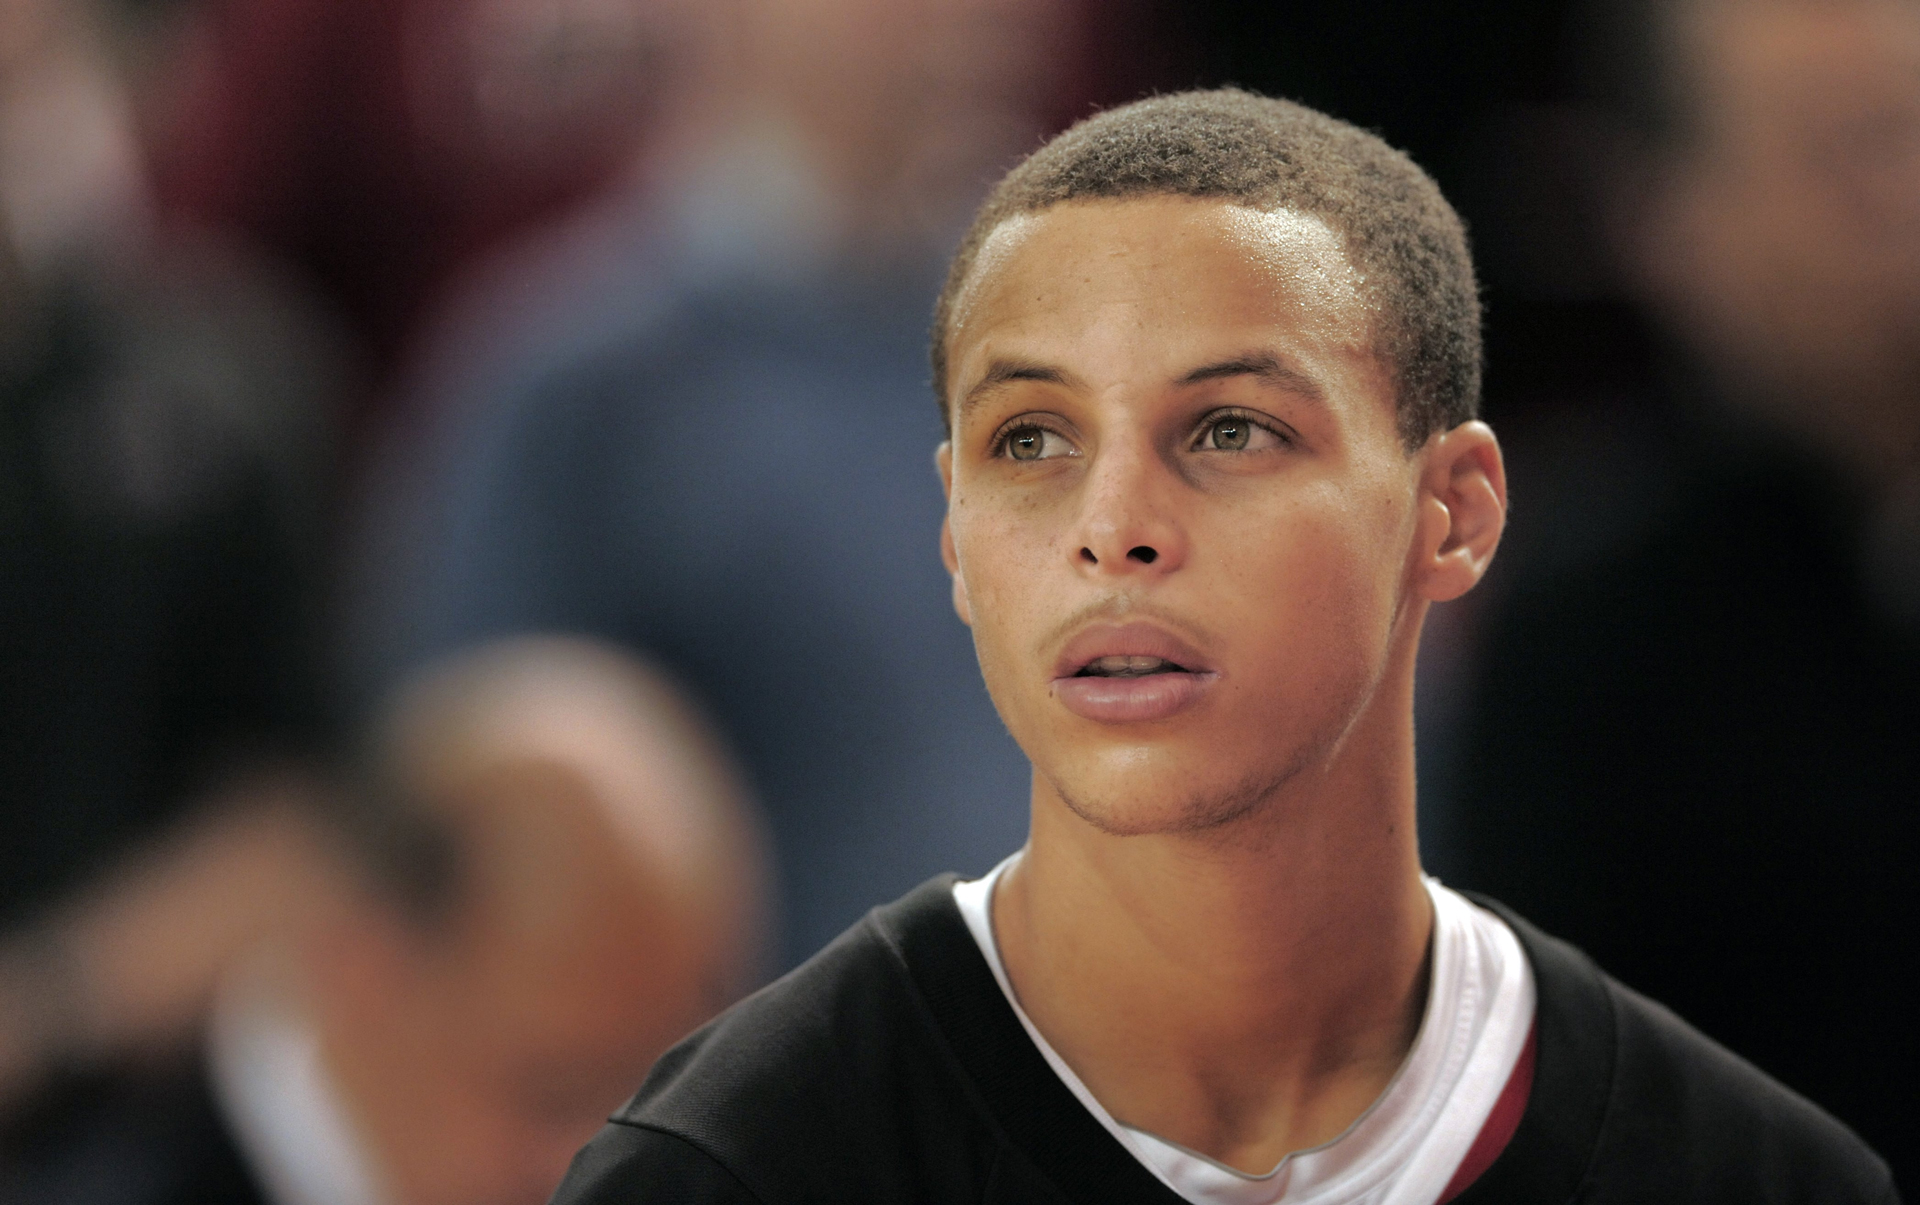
(1246, 991)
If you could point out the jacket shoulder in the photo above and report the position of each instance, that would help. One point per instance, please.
(1685, 1108)
(623, 1159)
(1630, 1103)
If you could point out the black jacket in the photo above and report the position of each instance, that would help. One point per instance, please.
(890, 1068)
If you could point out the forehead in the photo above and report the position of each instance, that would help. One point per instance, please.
(1146, 281)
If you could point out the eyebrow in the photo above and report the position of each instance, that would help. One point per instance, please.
(1263, 364)
(1003, 372)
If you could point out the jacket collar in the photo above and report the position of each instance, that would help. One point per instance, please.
(1033, 1110)
(1577, 1048)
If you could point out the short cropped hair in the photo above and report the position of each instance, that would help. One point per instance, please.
(1226, 144)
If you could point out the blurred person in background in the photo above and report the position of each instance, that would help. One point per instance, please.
(705, 436)
(1693, 747)
(380, 146)
(552, 875)
(162, 448)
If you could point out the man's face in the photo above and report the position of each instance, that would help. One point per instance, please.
(1180, 512)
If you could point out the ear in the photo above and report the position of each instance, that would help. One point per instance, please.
(943, 464)
(1463, 510)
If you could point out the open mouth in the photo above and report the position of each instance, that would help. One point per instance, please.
(1122, 666)
(1130, 673)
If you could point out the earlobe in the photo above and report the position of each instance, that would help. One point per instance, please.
(1464, 497)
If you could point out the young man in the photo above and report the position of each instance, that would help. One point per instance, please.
(1209, 364)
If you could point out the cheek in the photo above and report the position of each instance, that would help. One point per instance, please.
(1325, 590)
(1012, 568)
(1005, 554)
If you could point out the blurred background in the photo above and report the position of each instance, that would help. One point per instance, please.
(469, 602)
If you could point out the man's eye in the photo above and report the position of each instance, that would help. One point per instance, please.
(1231, 433)
(1034, 443)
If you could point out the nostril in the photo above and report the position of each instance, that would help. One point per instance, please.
(1143, 554)
(1086, 554)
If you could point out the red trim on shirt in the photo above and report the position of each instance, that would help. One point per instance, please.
(1500, 1124)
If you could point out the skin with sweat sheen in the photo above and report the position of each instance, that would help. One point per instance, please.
(1195, 553)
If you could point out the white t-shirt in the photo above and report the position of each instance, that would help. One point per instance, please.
(1405, 1148)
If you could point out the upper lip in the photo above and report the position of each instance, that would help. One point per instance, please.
(1127, 640)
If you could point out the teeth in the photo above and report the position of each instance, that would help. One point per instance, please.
(1128, 667)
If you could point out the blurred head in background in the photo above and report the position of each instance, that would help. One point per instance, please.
(71, 175)
(862, 132)
(1771, 214)
(909, 109)
(563, 880)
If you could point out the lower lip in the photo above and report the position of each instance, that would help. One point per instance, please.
(1131, 700)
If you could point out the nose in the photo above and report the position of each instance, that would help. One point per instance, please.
(1128, 521)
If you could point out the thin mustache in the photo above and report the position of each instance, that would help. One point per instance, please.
(1123, 608)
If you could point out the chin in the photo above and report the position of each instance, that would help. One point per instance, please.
(1135, 805)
